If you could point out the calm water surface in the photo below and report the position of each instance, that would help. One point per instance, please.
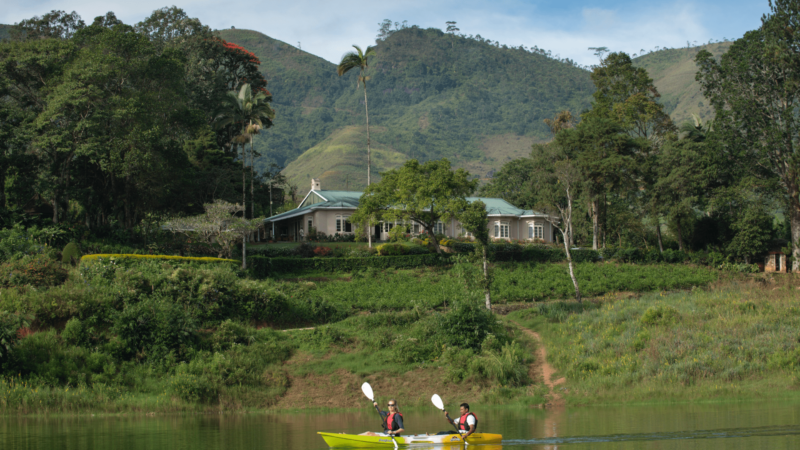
(727, 426)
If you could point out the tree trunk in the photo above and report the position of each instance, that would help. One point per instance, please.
(658, 234)
(595, 209)
(369, 233)
(434, 240)
(369, 155)
(571, 269)
(487, 292)
(680, 233)
(252, 180)
(244, 251)
(55, 208)
(794, 206)
(244, 182)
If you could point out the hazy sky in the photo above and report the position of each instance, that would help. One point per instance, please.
(329, 28)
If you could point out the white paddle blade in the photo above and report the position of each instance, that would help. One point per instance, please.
(437, 401)
(367, 389)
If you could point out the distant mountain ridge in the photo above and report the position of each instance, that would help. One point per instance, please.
(673, 73)
(431, 95)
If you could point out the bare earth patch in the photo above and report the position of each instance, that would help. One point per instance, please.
(342, 389)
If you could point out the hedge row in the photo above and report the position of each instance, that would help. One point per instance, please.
(88, 258)
(262, 266)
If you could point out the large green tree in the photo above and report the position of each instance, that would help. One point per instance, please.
(604, 154)
(627, 95)
(359, 59)
(755, 90)
(425, 193)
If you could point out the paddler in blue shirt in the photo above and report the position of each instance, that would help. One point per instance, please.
(467, 423)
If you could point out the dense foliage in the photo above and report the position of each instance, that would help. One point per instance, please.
(107, 123)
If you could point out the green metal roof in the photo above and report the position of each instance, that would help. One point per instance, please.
(349, 199)
(332, 200)
(498, 206)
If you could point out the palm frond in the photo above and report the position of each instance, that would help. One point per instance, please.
(349, 61)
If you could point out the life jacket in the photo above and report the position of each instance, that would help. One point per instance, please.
(462, 422)
(391, 425)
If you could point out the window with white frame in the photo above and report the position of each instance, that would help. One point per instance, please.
(416, 228)
(310, 224)
(343, 224)
(501, 230)
(535, 230)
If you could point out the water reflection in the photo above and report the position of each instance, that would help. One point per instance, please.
(774, 426)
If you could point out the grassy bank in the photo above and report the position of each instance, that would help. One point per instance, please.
(150, 336)
(737, 339)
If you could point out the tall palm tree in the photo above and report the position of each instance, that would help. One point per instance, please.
(251, 113)
(352, 60)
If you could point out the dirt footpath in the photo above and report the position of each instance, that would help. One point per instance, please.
(543, 370)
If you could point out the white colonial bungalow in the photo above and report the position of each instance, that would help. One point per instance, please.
(329, 212)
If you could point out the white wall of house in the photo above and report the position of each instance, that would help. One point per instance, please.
(500, 227)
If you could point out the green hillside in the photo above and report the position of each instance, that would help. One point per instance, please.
(673, 72)
(431, 94)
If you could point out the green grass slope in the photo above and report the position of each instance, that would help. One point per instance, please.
(673, 73)
(340, 160)
(433, 95)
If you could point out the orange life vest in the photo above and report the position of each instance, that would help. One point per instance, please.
(462, 422)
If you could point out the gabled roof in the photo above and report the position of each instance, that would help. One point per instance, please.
(349, 200)
(500, 207)
(330, 200)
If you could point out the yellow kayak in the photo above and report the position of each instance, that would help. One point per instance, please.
(382, 440)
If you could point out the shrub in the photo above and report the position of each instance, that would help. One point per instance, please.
(106, 257)
(322, 251)
(32, 270)
(399, 233)
(230, 333)
(741, 268)
(71, 254)
(674, 256)
(74, 332)
(391, 249)
(659, 315)
(304, 250)
(467, 324)
(9, 324)
(154, 328)
(260, 266)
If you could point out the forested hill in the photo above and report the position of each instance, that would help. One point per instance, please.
(431, 95)
(4, 31)
(673, 73)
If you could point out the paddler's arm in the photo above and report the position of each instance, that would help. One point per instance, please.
(447, 416)
(472, 429)
(399, 419)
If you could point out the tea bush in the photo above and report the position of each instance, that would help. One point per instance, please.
(32, 270)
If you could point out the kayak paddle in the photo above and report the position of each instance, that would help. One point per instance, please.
(367, 390)
(437, 402)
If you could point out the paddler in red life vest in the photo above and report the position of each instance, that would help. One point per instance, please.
(392, 420)
(467, 423)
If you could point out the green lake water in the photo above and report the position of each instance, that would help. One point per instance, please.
(768, 425)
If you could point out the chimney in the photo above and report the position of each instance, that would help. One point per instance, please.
(315, 186)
